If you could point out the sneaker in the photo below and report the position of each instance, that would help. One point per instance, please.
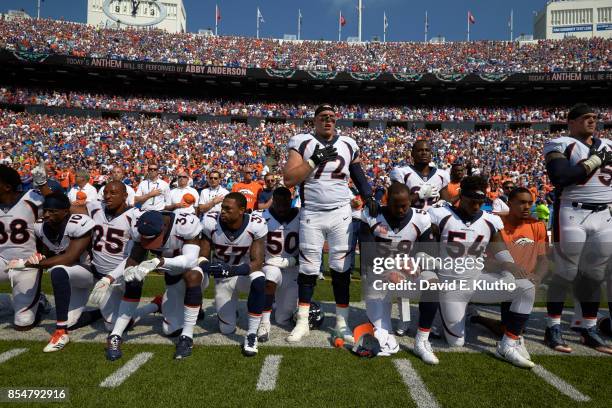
(389, 348)
(591, 337)
(249, 348)
(184, 347)
(300, 330)
(554, 339)
(321, 276)
(402, 328)
(510, 351)
(113, 347)
(263, 332)
(58, 341)
(423, 350)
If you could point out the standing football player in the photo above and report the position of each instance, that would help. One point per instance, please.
(321, 164)
(282, 245)
(236, 241)
(19, 212)
(464, 233)
(580, 167)
(63, 240)
(402, 227)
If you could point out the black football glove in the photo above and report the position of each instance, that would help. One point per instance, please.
(217, 269)
(605, 155)
(372, 206)
(328, 153)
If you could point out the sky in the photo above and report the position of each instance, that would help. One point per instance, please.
(406, 18)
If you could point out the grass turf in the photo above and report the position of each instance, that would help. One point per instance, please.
(220, 376)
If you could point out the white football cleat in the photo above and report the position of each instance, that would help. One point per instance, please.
(263, 332)
(523, 348)
(344, 333)
(58, 341)
(389, 348)
(423, 350)
(300, 330)
(249, 348)
(510, 351)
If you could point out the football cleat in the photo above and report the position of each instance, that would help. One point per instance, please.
(58, 341)
(389, 348)
(523, 348)
(554, 339)
(511, 352)
(402, 328)
(344, 333)
(300, 330)
(263, 332)
(249, 348)
(113, 347)
(422, 349)
(591, 337)
(184, 347)
(605, 326)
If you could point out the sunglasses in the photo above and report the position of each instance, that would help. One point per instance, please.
(269, 180)
(183, 177)
(153, 168)
(327, 118)
(213, 178)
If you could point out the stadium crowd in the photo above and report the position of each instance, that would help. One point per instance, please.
(84, 100)
(96, 145)
(75, 39)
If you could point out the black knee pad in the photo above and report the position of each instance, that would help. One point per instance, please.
(172, 279)
(340, 278)
(193, 295)
(133, 290)
(304, 279)
(59, 274)
(587, 289)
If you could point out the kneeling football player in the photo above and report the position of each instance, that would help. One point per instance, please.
(408, 231)
(280, 266)
(236, 240)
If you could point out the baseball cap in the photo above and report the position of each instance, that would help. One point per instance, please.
(324, 107)
(578, 110)
(150, 226)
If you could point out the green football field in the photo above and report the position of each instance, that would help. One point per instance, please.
(218, 376)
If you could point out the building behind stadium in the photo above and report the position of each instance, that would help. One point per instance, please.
(574, 18)
(167, 15)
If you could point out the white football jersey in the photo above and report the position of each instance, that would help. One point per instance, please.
(233, 247)
(111, 241)
(596, 188)
(77, 226)
(184, 227)
(283, 238)
(414, 180)
(17, 239)
(461, 238)
(411, 229)
(326, 187)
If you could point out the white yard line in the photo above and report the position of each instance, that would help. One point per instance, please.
(122, 374)
(561, 386)
(7, 355)
(269, 373)
(417, 388)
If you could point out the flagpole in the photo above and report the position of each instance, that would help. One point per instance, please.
(216, 20)
(511, 25)
(340, 27)
(257, 23)
(299, 23)
(426, 25)
(38, 10)
(384, 26)
(468, 26)
(359, 29)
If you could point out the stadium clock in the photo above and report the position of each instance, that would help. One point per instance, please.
(155, 13)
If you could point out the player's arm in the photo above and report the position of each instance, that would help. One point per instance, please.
(257, 254)
(562, 173)
(183, 262)
(71, 256)
(503, 258)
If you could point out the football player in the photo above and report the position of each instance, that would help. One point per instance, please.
(465, 232)
(280, 266)
(580, 167)
(17, 241)
(63, 240)
(427, 185)
(174, 240)
(110, 247)
(406, 229)
(321, 163)
(236, 241)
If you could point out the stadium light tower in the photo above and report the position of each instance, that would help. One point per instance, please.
(360, 12)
